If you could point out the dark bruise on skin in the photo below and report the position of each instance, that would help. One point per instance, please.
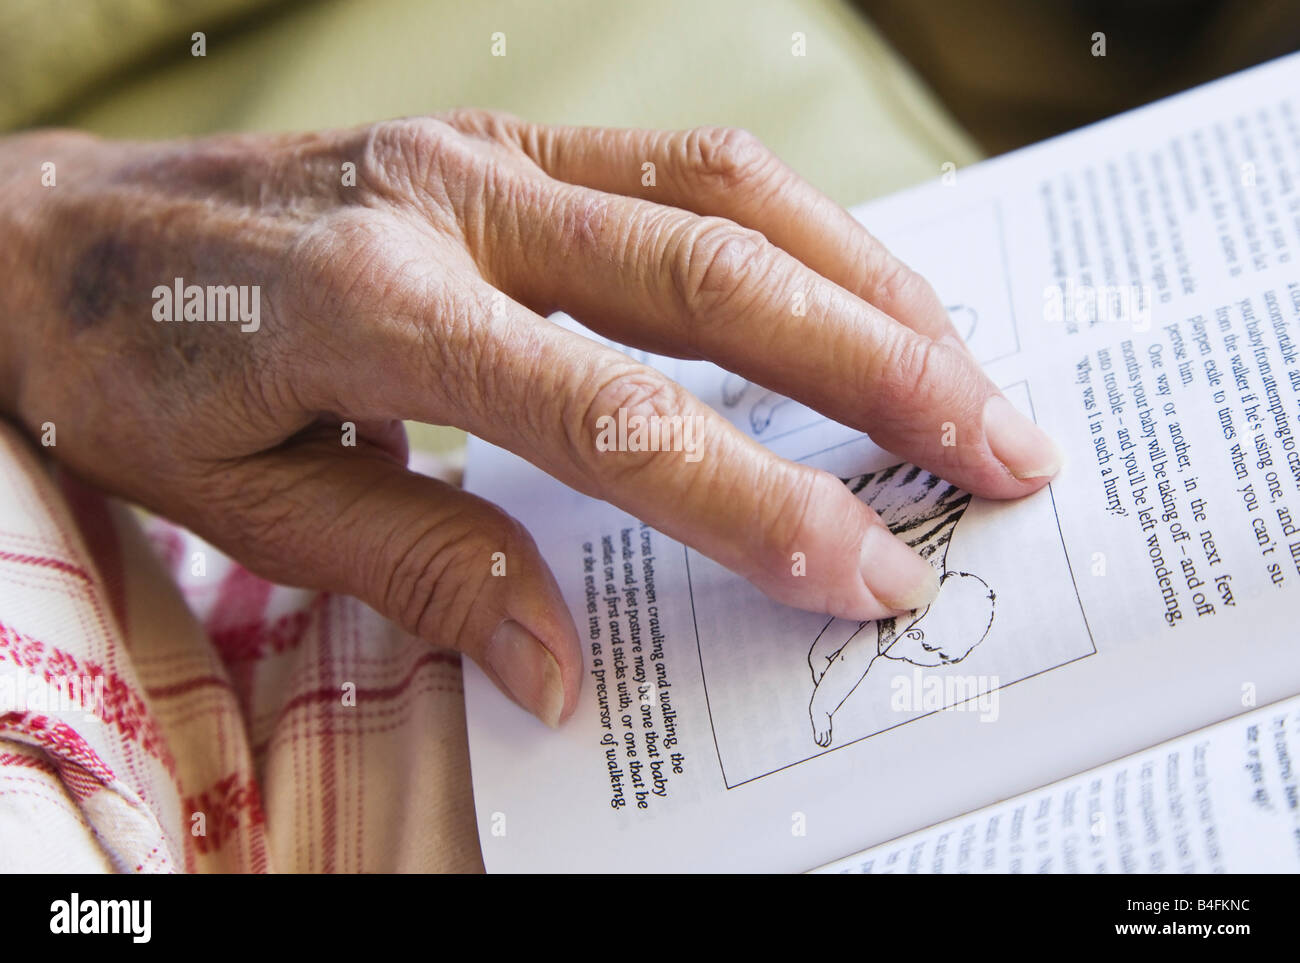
(104, 278)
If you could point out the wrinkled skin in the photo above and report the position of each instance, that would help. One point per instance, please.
(382, 300)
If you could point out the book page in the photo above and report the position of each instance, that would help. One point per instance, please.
(1222, 800)
(1133, 287)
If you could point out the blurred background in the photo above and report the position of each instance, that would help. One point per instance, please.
(834, 85)
(1016, 71)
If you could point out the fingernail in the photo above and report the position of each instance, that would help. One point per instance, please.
(896, 575)
(1023, 447)
(528, 670)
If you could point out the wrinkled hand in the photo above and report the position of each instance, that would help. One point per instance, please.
(381, 256)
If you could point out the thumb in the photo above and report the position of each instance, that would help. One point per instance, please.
(443, 564)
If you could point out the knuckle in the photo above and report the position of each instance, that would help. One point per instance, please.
(894, 281)
(796, 499)
(632, 392)
(908, 372)
(729, 157)
(258, 518)
(793, 497)
(341, 263)
(433, 583)
(254, 510)
(493, 124)
(581, 218)
(407, 158)
(712, 265)
(360, 286)
(498, 130)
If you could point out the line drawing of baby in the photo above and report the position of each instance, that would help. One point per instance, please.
(922, 510)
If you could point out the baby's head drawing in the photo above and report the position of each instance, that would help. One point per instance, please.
(948, 628)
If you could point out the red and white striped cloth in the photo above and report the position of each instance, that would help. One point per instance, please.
(233, 725)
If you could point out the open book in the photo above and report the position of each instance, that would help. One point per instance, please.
(1134, 287)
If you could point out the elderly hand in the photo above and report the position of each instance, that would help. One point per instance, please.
(403, 271)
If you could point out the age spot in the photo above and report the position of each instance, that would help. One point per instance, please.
(104, 278)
